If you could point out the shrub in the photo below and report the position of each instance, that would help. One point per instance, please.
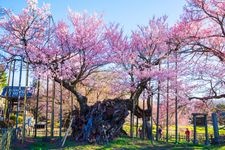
(13, 118)
(20, 119)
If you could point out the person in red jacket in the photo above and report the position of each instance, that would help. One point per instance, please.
(187, 133)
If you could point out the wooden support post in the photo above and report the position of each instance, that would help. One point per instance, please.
(157, 113)
(132, 119)
(206, 130)
(151, 129)
(60, 111)
(25, 102)
(137, 133)
(67, 132)
(167, 106)
(143, 122)
(53, 105)
(46, 113)
(36, 110)
(194, 125)
(6, 113)
(133, 106)
(215, 128)
(176, 102)
(12, 85)
(18, 100)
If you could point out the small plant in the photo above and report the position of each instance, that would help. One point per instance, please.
(13, 118)
(20, 119)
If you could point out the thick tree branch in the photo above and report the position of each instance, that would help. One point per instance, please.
(82, 100)
(208, 97)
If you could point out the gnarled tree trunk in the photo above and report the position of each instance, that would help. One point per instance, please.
(102, 121)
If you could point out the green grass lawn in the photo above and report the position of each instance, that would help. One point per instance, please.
(200, 130)
(120, 144)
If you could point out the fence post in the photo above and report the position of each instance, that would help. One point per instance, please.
(194, 124)
(179, 136)
(206, 131)
(215, 128)
(25, 102)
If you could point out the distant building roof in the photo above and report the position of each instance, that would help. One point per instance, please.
(14, 92)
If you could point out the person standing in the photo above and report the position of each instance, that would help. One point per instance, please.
(160, 132)
(187, 133)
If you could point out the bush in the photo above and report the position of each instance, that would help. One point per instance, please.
(13, 118)
(56, 124)
(20, 119)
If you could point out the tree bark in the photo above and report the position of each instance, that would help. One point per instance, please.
(82, 100)
(104, 120)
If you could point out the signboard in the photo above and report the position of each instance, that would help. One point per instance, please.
(15, 91)
(200, 121)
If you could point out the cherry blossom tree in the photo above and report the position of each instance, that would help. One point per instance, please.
(139, 57)
(69, 54)
(79, 53)
(20, 33)
(201, 34)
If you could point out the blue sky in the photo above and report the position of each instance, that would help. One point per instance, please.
(129, 13)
